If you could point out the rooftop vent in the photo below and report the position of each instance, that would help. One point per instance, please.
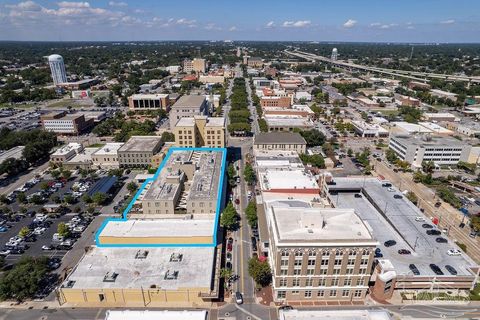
(110, 277)
(171, 275)
(176, 257)
(310, 231)
(141, 254)
(69, 284)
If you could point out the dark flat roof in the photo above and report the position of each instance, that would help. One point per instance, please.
(279, 137)
(103, 185)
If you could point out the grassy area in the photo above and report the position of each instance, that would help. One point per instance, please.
(387, 112)
(65, 103)
(475, 293)
(18, 106)
(443, 296)
(96, 145)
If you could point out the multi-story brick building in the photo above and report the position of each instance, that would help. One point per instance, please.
(66, 124)
(317, 253)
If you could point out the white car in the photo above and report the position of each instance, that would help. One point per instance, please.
(39, 231)
(46, 248)
(420, 219)
(391, 189)
(453, 252)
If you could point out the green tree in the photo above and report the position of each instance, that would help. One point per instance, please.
(350, 152)
(226, 273)
(44, 186)
(313, 137)
(262, 124)
(36, 199)
(249, 174)
(229, 217)
(66, 174)
(86, 198)
(69, 199)
(231, 172)
(428, 166)
(132, 187)
(260, 271)
(412, 197)
(391, 156)
(22, 198)
(167, 137)
(24, 280)
(99, 198)
(251, 214)
(24, 232)
(55, 174)
(63, 230)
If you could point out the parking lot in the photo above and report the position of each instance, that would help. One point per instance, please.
(395, 219)
(43, 219)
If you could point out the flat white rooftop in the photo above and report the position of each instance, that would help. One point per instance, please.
(411, 127)
(67, 148)
(160, 228)
(334, 315)
(156, 315)
(297, 221)
(435, 128)
(128, 271)
(110, 148)
(288, 179)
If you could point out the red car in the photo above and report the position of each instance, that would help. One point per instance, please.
(237, 201)
(229, 247)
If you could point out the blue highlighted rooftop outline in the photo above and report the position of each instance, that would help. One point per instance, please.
(117, 232)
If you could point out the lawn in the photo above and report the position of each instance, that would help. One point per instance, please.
(17, 106)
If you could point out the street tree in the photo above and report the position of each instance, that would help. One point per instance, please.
(260, 271)
(249, 174)
(229, 217)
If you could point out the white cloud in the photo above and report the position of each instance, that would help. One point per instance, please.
(350, 23)
(270, 24)
(117, 4)
(212, 26)
(25, 6)
(184, 21)
(297, 24)
(450, 21)
(233, 28)
(67, 4)
(383, 25)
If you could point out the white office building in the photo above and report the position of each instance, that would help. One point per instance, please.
(440, 150)
(57, 67)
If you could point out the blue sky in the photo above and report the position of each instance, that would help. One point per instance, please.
(320, 20)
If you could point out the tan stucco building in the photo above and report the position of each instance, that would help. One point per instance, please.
(200, 131)
(138, 151)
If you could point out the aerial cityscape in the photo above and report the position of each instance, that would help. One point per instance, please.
(275, 161)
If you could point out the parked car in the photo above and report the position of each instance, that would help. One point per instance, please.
(390, 243)
(238, 298)
(454, 252)
(404, 251)
(397, 196)
(436, 269)
(433, 232)
(46, 248)
(427, 226)
(378, 253)
(358, 195)
(441, 240)
(414, 269)
(420, 219)
(451, 269)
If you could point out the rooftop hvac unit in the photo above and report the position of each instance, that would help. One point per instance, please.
(171, 275)
(110, 277)
(176, 257)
